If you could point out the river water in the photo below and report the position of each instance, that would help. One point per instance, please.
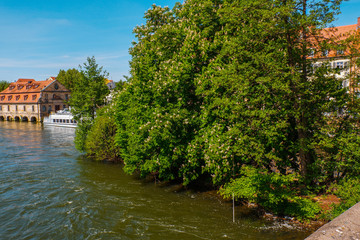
(49, 191)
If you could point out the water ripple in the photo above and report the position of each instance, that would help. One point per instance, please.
(48, 191)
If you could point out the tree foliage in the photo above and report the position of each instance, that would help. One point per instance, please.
(99, 142)
(89, 91)
(4, 85)
(69, 77)
(218, 87)
(88, 94)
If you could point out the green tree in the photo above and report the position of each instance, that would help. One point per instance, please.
(3, 85)
(69, 77)
(100, 142)
(219, 87)
(88, 94)
(89, 91)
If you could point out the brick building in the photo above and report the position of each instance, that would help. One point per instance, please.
(30, 100)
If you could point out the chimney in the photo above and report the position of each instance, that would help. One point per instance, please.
(358, 23)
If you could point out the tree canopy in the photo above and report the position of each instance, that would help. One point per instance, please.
(223, 90)
(3, 85)
(89, 90)
(69, 77)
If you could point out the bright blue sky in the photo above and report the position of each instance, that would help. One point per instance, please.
(40, 37)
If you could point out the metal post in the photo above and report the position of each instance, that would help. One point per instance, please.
(233, 207)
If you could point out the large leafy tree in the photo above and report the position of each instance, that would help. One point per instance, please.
(224, 88)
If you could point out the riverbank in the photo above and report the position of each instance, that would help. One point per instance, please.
(243, 208)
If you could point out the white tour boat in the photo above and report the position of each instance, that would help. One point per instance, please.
(62, 118)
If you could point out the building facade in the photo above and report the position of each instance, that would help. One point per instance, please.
(30, 100)
(340, 58)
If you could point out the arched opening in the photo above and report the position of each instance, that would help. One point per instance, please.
(24, 119)
(8, 118)
(17, 119)
(2, 118)
(33, 119)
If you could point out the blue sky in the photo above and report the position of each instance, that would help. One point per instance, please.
(40, 37)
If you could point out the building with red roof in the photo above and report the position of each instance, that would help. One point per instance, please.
(342, 56)
(30, 100)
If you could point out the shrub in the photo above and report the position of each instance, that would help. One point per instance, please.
(348, 190)
(273, 191)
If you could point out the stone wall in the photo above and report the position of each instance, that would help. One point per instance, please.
(345, 226)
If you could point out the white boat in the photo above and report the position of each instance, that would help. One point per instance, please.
(62, 118)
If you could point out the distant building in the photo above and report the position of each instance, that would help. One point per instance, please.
(338, 58)
(30, 100)
(110, 84)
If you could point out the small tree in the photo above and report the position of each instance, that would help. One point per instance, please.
(88, 94)
(3, 85)
(69, 77)
(89, 91)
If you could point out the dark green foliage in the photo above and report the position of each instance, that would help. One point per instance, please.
(224, 89)
(100, 142)
(81, 133)
(3, 85)
(88, 94)
(348, 190)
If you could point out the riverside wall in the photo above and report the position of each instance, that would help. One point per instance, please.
(345, 226)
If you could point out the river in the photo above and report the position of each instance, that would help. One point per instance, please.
(48, 190)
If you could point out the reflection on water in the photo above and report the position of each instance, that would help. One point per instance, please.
(49, 191)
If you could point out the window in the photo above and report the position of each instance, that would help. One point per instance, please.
(2, 98)
(24, 108)
(49, 108)
(56, 86)
(16, 108)
(340, 52)
(339, 65)
(66, 97)
(54, 96)
(33, 108)
(0, 108)
(67, 120)
(64, 106)
(9, 108)
(17, 97)
(19, 87)
(43, 108)
(46, 96)
(11, 87)
(28, 86)
(325, 53)
(54, 120)
(33, 97)
(26, 97)
(9, 98)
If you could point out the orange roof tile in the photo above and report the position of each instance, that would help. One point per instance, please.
(337, 34)
(24, 91)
